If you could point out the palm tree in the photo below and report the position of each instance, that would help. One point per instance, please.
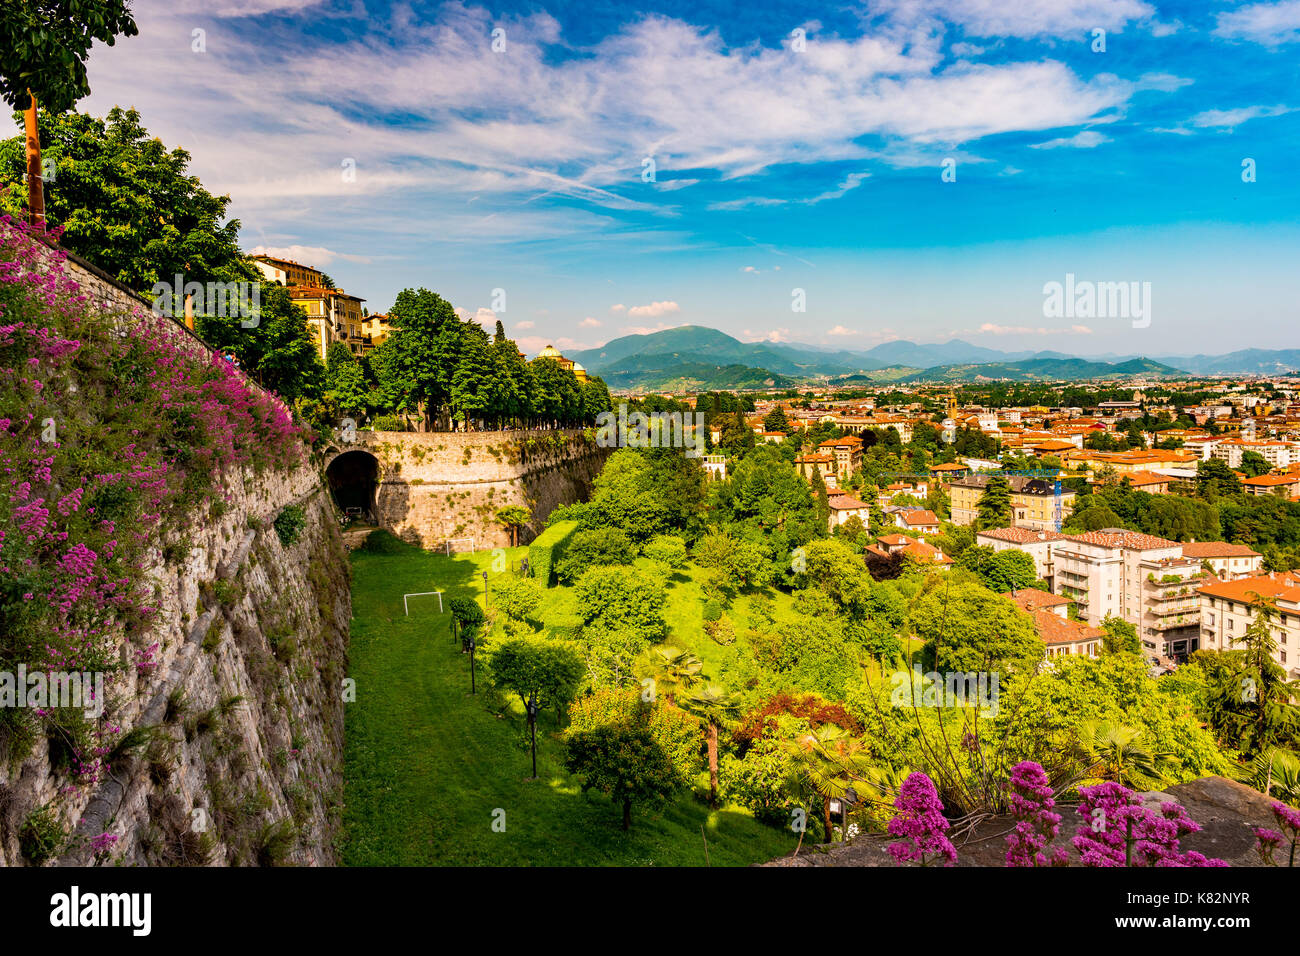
(1115, 754)
(827, 762)
(514, 517)
(1275, 773)
(715, 706)
(672, 669)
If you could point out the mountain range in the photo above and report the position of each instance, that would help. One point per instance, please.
(696, 357)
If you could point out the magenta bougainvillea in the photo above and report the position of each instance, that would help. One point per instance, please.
(1117, 830)
(116, 429)
(920, 821)
(1036, 822)
(1270, 841)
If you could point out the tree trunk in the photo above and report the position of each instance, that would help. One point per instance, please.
(826, 818)
(713, 764)
(35, 192)
(627, 814)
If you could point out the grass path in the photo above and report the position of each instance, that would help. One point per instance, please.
(429, 767)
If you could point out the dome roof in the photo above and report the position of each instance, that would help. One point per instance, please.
(577, 367)
(549, 352)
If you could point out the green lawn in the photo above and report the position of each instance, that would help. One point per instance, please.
(427, 765)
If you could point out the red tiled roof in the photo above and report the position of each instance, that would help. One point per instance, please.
(1032, 599)
(1131, 540)
(1019, 535)
(1217, 549)
(1281, 584)
(919, 517)
(1055, 630)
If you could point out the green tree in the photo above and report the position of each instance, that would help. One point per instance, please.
(514, 517)
(715, 706)
(126, 203)
(1214, 479)
(278, 350)
(672, 669)
(625, 761)
(994, 504)
(1000, 571)
(1120, 637)
(1253, 464)
(545, 672)
(622, 610)
(967, 627)
(345, 381)
(516, 597)
(775, 421)
(416, 362)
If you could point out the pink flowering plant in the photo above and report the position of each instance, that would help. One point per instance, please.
(1117, 830)
(117, 428)
(1270, 841)
(921, 824)
(1037, 823)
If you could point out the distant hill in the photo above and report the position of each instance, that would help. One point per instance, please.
(697, 354)
(1039, 370)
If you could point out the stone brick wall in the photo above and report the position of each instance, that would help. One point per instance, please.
(439, 485)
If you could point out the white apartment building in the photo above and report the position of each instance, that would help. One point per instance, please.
(1229, 561)
(1227, 610)
(1143, 579)
(1279, 454)
(1038, 544)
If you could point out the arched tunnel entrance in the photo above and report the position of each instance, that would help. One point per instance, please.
(353, 479)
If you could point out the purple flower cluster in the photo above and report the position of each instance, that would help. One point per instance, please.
(1119, 831)
(920, 821)
(1288, 818)
(1036, 822)
(121, 421)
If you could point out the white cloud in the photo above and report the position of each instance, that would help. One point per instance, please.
(484, 317)
(590, 323)
(620, 307)
(647, 329)
(316, 256)
(989, 328)
(1084, 139)
(775, 335)
(525, 325)
(1023, 18)
(841, 330)
(530, 345)
(1229, 119)
(653, 310)
(1271, 24)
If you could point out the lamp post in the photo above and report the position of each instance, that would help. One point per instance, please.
(485, 591)
(532, 727)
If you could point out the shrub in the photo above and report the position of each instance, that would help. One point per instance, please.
(41, 836)
(289, 524)
(388, 423)
(548, 548)
(712, 611)
(591, 547)
(666, 549)
(516, 597)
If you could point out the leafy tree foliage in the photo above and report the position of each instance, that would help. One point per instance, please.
(625, 761)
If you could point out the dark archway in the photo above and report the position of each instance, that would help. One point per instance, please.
(353, 479)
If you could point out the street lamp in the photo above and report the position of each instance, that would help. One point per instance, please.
(485, 591)
(532, 726)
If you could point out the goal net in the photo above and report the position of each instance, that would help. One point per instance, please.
(460, 546)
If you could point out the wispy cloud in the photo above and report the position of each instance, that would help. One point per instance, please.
(1084, 139)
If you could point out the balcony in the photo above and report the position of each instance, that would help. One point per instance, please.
(1175, 623)
(1165, 608)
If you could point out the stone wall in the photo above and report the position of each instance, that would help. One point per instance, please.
(230, 750)
(239, 729)
(439, 485)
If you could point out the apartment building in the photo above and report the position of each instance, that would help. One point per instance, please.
(1035, 503)
(1228, 561)
(1143, 579)
(847, 452)
(844, 506)
(1037, 544)
(286, 272)
(1228, 608)
(1279, 454)
(1284, 486)
(333, 316)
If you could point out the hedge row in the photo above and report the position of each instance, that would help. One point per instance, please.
(547, 548)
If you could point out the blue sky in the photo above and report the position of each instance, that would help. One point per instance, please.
(775, 167)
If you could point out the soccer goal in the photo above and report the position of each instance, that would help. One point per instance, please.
(457, 546)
